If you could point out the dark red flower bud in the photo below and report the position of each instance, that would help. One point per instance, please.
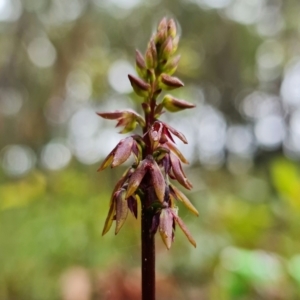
(140, 64)
(151, 55)
(121, 209)
(132, 205)
(174, 105)
(162, 24)
(155, 134)
(140, 87)
(137, 177)
(158, 180)
(166, 227)
(178, 172)
(169, 83)
(119, 154)
(122, 152)
(176, 133)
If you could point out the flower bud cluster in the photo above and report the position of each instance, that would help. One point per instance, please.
(156, 157)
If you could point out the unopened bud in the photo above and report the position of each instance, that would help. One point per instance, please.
(174, 105)
(136, 178)
(121, 209)
(171, 66)
(170, 83)
(150, 75)
(166, 227)
(158, 180)
(175, 44)
(151, 55)
(162, 24)
(167, 48)
(140, 87)
(140, 64)
(171, 27)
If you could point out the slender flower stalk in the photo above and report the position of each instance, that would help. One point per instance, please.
(156, 157)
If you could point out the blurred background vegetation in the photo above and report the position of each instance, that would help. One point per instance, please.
(61, 61)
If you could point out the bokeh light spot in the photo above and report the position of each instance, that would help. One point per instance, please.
(55, 155)
(17, 160)
(118, 76)
(41, 52)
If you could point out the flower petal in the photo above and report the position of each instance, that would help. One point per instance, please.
(176, 133)
(169, 82)
(158, 180)
(178, 172)
(132, 205)
(107, 161)
(177, 152)
(110, 217)
(180, 196)
(122, 152)
(121, 210)
(183, 227)
(136, 178)
(166, 227)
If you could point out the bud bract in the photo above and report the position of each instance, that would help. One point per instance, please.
(174, 105)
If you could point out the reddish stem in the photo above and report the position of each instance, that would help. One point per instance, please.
(148, 254)
(148, 239)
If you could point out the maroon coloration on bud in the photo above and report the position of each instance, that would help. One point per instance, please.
(140, 64)
(132, 205)
(127, 118)
(140, 87)
(119, 154)
(176, 133)
(162, 24)
(115, 115)
(174, 105)
(166, 227)
(181, 197)
(167, 48)
(170, 82)
(155, 223)
(178, 172)
(157, 180)
(122, 152)
(139, 59)
(184, 228)
(171, 28)
(155, 134)
(137, 177)
(121, 209)
(175, 150)
(156, 157)
(151, 55)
